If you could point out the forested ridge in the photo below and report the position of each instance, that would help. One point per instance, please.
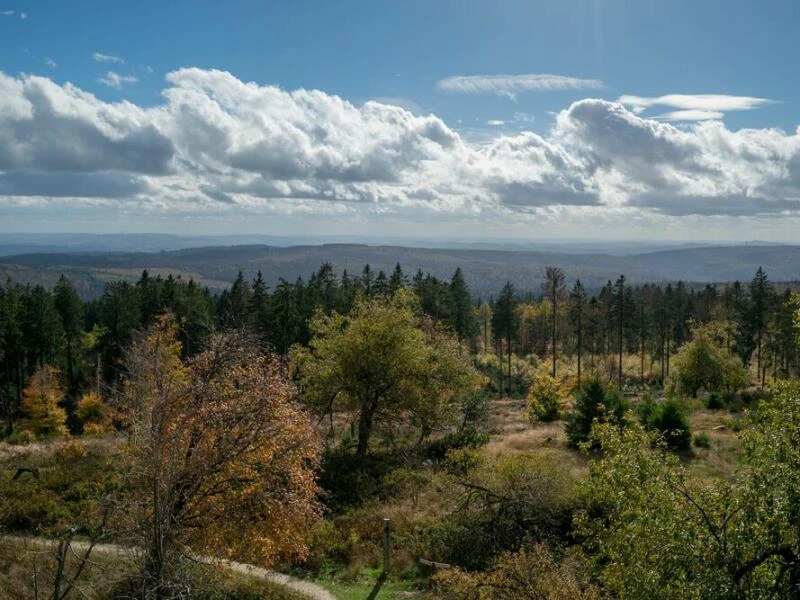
(485, 270)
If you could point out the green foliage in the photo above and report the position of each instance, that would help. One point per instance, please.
(545, 399)
(381, 362)
(468, 437)
(495, 368)
(66, 489)
(704, 363)
(504, 503)
(701, 440)
(715, 401)
(594, 401)
(669, 418)
(348, 480)
(659, 533)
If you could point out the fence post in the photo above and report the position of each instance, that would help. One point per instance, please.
(386, 545)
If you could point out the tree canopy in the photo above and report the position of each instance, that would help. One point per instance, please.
(381, 362)
(224, 455)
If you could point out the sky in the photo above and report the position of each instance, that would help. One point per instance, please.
(472, 120)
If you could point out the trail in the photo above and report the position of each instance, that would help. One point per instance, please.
(306, 588)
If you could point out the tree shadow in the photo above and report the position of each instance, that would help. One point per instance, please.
(378, 585)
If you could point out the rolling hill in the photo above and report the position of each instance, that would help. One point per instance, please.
(486, 270)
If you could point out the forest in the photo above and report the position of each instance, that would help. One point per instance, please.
(632, 441)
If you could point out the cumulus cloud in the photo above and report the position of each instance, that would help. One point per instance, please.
(510, 85)
(115, 80)
(48, 127)
(106, 58)
(694, 107)
(217, 143)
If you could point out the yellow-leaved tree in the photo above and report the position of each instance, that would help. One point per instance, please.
(385, 362)
(223, 456)
(40, 398)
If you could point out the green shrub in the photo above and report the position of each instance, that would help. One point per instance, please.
(701, 440)
(21, 437)
(594, 401)
(348, 480)
(715, 401)
(670, 418)
(469, 437)
(509, 501)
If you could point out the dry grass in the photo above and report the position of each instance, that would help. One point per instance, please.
(722, 458)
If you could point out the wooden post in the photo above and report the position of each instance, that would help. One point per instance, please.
(386, 545)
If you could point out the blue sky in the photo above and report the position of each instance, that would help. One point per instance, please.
(585, 118)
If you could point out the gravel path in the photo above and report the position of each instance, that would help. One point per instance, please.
(306, 588)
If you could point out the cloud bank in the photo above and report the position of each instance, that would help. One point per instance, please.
(217, 144)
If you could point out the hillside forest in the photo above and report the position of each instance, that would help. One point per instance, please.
(622, 441)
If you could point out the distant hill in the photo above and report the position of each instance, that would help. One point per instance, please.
(486, 271)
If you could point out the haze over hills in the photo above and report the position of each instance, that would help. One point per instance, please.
(486, 270)
(24, 243)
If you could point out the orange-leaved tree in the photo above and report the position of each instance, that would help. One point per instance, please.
(223, 455)
(40, 404)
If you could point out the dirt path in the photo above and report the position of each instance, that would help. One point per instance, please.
(306, 588)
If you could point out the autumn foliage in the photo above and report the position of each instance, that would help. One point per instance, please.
(223, 454)
(40, 404)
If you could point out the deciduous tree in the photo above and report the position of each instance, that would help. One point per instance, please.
(224, 455)
(380, 361)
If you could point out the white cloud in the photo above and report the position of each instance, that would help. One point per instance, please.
(106, 58)
(50, 62)
(7, 13)
(495, 122)
(23, 15)
(510, 85)
(217, 144)
(115, 80)
(694, 107)
(46, 127)
(692, 114)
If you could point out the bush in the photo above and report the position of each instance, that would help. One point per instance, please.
(22, 437)
(348, 480)
(671, 419)
(593, 401)
(701, 440)
(715, 401)
(469, 437)
(544, 399)
(505, 503)
(530, 573)
(93, 413)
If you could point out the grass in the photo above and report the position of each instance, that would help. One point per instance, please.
(722, 457)
(369, 585)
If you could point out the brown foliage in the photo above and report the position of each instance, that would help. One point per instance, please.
(224, 452)
(535, 574)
